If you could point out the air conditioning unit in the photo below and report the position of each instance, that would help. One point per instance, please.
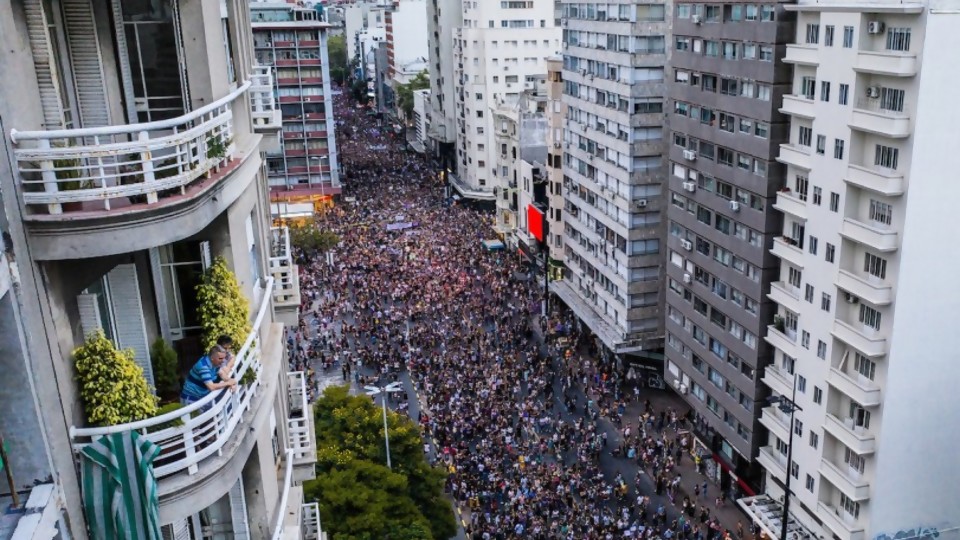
(686, 244)
(690, 155)
(873, 91)
(851, 298)
(734, 206)
(696, 19)
(689, 186)
(687, 278)
(876, 27)
(641, 203)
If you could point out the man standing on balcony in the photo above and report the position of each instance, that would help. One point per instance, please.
(226, 342)
(205, 377)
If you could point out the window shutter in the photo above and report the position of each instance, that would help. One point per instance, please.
(178, 530)
(89, 313)
(88, 78)
(43, 62)
(205, 259)
(128, 314)
(238, 512)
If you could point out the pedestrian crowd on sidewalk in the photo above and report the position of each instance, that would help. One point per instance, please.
(515, 422)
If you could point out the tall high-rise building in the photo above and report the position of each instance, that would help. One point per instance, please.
(131, 150)
(499, 50)
(614, 90)
(293, 39)
(443, 18)
(864, 331)
(556, 111)
(723, 179)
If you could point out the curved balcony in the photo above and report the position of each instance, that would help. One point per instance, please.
(107, 190)
(205, 444)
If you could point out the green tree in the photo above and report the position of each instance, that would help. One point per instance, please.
(350, 430)
(221, 307)
(337, 54)
(311, 239)
(359, 91)
(165, 375)
(405, 92)
(112, 386)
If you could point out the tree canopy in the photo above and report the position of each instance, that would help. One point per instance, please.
(405, 92)
(337, 55)
(311, 239)
(360, 498)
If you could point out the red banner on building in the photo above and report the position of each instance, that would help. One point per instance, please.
(535, 222)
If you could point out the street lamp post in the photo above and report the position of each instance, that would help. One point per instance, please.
(384, 390)
(787, 406)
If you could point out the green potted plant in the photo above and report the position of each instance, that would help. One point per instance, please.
(221, 307)
(112, 386)
(165, 372)
(779, 324)
(69, 172)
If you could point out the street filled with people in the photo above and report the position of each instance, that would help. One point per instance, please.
(531, 422)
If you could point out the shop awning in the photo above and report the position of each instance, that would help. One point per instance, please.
(493, 245)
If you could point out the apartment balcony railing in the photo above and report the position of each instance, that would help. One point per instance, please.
(875, 116)
(797, 105)
(263, 104)
(300, 439)
(880, 238)
(857, 438)
(200, 431)
(868, 341)
(802, 54)
(789, 203)
(310, 522)
(893, 63)
(796, 155)
(777, 380)
(877, 179)
(846, 479)
(842, 524)
(787, 251)
(104, 168)
(285, 273)
(776, 422)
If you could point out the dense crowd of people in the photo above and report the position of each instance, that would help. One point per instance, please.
(514, 417)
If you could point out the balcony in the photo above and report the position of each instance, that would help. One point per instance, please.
(884, 240)
(805, 55)
(310, 522)
(782, 341)
(776, 421)
(856, 438)
(876, 179)
(787, 251)
(117, 189)
(785, 295)
(847, 480)
(789, 203)
(859, 388)
(841, 523)
(777, 380)
(286, 276)
(870, 288)
(896, 64)
(867, 343)
(205, 445)
(774, 462)
(39, 517)
(796, 155)
(301, 438)
(798, 106)
(869, 116)
(266, 114)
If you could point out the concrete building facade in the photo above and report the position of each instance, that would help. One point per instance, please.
(863, 331)
(293, 39)
(120, 186)
(406, 40)
(726, 129)
(443, 18)
(556, 111)
(613, 166)
(499, 51)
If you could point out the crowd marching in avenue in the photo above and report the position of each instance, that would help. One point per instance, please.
(515, 421)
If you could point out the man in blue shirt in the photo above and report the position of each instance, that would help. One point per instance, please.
(206, 376)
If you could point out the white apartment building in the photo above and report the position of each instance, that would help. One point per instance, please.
(444, 17)
(132, 136)
(866, 335)
(500, 49)
(357, 17)
(613, 79)
(556, 111)
(406, 41)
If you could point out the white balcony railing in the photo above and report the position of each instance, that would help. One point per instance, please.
(298, 424)
(116, 166)
(189, 435)
(310, 524)
(282, 269)
(263, 102)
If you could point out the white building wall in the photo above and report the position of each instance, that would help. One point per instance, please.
(354, 20)
(440, 35)
(409, 39)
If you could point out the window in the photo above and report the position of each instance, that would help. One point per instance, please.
(886, 156)
(802, 186)
(809, 483)
(817, 195)
(804, 136)
(869, 317)
(898, 39)
(764, 92)
(891, 99)
(864, 366)
(875, 266)
(825, 302)
(801, 384)
(794, 276)
(766, 53)
(821, 144)
(798, 426)
(847, 37)
(795, 470)
(821, 350)
(834, 202)
(817, 396)
(808, 293)
(814, 439)
(824, 90)
(844, 94)
(880, 212)
(828, 255)
(828, 36)
(850, 507)
(805, 339)
(808, 86)
(853, 460)
(813, 245)
(813, 34)
(838, 148)
(767, 13)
